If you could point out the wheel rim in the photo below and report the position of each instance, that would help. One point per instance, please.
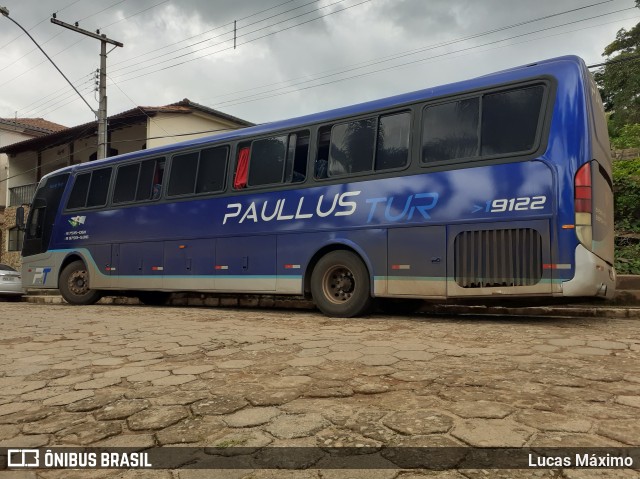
(79, 282)
(338, 284)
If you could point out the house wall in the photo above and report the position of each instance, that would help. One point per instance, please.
(12, 258)
(165, 124)
(7, 137)
(129, 139)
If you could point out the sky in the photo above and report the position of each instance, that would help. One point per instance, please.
(291, 58)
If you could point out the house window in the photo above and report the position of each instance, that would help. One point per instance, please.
(16, 238)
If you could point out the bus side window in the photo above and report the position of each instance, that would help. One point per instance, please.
(158, 176)
(297, 153)
(321, 168)
(242, 169)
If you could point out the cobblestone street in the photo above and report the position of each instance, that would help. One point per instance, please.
(143, 376)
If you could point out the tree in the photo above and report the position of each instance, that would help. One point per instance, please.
(619, 81)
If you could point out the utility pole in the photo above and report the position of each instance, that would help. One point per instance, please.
(102, 109)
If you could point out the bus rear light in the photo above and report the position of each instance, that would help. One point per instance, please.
(582, 199)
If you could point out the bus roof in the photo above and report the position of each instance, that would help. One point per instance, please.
(503, 76)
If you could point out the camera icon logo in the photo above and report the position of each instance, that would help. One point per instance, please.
(23, 458)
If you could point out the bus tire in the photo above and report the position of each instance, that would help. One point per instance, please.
(340, 285)
(153, 298)
(74, 285)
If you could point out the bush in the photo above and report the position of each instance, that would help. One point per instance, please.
(626, 188)
(627, 137)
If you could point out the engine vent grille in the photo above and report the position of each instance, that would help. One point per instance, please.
(494, 258)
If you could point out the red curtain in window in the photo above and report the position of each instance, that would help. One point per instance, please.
(242, 170)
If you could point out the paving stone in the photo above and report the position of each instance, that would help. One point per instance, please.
(561, 439)
(218, 405)
(418, 422)
(377, 359)
(135, 441)
(28, 415)
(414, 376)
(333, 437)
(549, 421)
(181, 397)
(54, 423)
(610, 345)
(68, 398)
(250, 417)
(193, 369)
(492, 433)
(29, 440)
(108, 361)
(271, 398)
(288, 382)
(343, 356)
(123, 372)
(48, 374)
(370, 388)
(589, 351)
(87, 433)
(329, 392)
(8, 431)
(310, 361)
(249, 440)
(566, 342)
(121, 409)
(633, 401)
(10, 408)
(235, 364)
(97, 383)
(299, 425)
(191, 430)
(624, 431)
(414, 355)
(147, 376)
(174, 380)
(93, 403)
(481, 409)
(156, 417)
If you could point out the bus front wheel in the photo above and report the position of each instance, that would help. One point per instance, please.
(340, 285)
(74, 285)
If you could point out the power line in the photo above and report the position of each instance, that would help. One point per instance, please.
(248, 41)
(258, 96)
(388, 58)
(200, 34)
(630, 58)
(226, 33)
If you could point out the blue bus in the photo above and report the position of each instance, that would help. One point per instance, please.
(499, 186)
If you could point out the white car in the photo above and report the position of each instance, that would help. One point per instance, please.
(10, 282)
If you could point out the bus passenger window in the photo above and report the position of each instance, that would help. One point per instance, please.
(242, 169)
(99, 187)
(352, 147)
(392, 149)
(158, 176)
(266, 165)
(510, 120)
(212, 170)
(78, 196)
(321, 167)
(297, 153)
(450, 130)
(182, 180)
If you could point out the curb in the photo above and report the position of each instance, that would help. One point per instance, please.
(285, 302)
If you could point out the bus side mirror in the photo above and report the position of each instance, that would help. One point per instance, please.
(20, 218)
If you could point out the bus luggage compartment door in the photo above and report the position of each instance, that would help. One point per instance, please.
(417, 261)
(246, 263)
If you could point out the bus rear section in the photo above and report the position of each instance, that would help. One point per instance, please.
(593, 209)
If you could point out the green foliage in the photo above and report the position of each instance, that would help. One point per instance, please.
(627, 259)
(628, 137)
(626, 186)
(619, 82)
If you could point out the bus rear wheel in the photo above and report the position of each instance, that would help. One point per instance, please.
(74, 285)
(340, 285)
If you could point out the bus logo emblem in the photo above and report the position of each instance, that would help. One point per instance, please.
(77, 220)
